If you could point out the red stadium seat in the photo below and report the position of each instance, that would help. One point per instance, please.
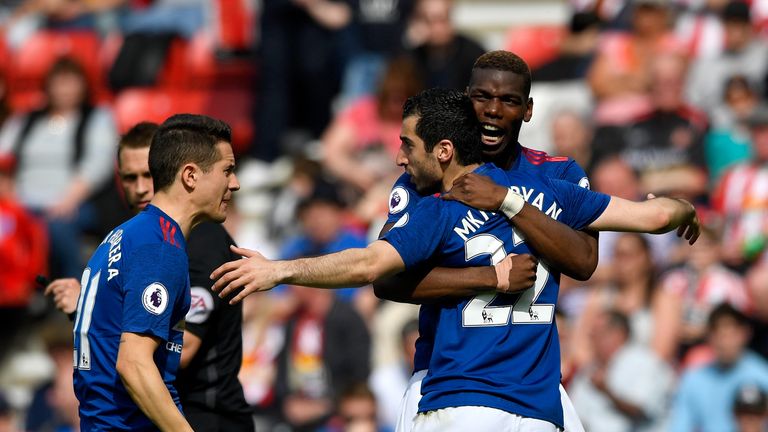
(235, 24)
(536, 44)
(31, 61)
(136, 105)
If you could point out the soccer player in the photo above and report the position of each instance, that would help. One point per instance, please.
(439, 137)
(210, 392)
(499, 89)
(135, 289)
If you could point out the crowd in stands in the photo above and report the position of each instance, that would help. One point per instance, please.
(662, 97)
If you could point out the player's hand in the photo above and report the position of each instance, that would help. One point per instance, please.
(522, 274)
(477, 191)
(251, 274)
(65, 293)
(690, 228)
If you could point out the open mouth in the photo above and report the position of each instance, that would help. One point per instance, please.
(491, 135)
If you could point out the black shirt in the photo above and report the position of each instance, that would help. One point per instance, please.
(210, 381)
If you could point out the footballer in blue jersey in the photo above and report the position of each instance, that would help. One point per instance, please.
(152, 301)
(494, 350)
(135, 291)
(404, 197)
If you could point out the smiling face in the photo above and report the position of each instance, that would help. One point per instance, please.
(215, 187)
(135, 177)
(501, 104)
(423, 166)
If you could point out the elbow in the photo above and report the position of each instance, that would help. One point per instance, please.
(585, 270)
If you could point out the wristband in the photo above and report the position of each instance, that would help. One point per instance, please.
(512, 204)
(502, 273)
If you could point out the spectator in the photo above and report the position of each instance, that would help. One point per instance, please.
(751, 409)
(620, 75)
(744, 53)
(701, 29)
(356, 412)
(665, 145)
(629, 291)
(361, 144)
(321, 217)
(300, 73)
(740, 198)
(23, 252)
(380, 36)
(626, 387)
(706, 393)
(64, 155)
(389, 381)
(571, 135)
(688, 293)
(576, 51)
(727, 143)
(444, 57)
(54, 406)
(327, 348)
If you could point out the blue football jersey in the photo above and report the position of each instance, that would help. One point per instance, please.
(136, 281)
(403, 198)
(494, 350)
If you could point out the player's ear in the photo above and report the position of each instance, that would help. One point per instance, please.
(528, 111)
(444, 151)
(189, 175)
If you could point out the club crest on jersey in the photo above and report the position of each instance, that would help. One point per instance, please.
(155, 298)
(398, 200)
(201, 306)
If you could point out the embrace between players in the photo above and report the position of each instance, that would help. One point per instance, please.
(488, 343)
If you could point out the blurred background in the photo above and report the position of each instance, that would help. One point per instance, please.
(648, 96)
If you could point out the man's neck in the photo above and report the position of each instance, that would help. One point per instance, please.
(180, 211)
(455, 171)
(507, 157)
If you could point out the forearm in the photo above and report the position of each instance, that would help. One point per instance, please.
(656, 216)
(574, 253)
(350, 267)
(144, 384)
(434, 284)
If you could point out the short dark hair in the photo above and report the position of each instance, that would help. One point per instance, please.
(446, 114)
(501, 60)
(181, 139)
(137, 137)
(726, 310)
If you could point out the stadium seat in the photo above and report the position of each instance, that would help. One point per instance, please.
(233, 106)
(536, 44)
(234, 24)
(29, 64)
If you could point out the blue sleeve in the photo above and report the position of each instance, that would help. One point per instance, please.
(154, 282)
(573, 173)
(580, 206)
(402, 199)
(421, 236)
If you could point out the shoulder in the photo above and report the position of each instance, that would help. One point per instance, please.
(403, 195)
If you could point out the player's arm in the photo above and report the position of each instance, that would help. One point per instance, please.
(427, 284)
(656, 216)
(574, 253)
(142, 380)
(350, 267)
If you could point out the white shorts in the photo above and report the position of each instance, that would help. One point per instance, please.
(479, 418)
(409, 407)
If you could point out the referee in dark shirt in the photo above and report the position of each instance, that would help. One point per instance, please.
(211, 394)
